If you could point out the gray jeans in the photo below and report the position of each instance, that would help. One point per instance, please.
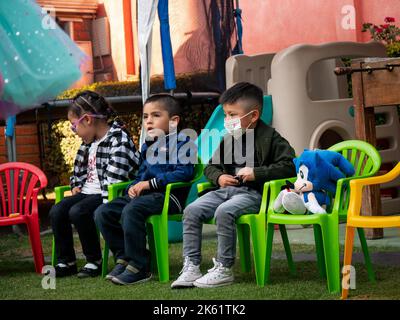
(225, 205)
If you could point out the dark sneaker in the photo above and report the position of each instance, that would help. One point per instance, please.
(65, 270)
(131, 275)
(118, 269)
(90, 270)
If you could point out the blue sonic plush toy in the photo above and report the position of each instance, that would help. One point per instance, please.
(317, 173)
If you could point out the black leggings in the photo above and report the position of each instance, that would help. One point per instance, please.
(77, 210)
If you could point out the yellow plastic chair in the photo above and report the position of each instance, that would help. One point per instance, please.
(355, 220)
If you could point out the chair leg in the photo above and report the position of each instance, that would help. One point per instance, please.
(289, 257)
(152, 247)
(104, 264)
(36, 244)
(160, 234)
(367, 258)
(259, 250)
(319, 250)
(53, 253)
(330, 238)
(268, 251)
(243, 234)
(348, 253)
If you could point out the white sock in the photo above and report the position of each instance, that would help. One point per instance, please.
(91, 266)
(61, 265)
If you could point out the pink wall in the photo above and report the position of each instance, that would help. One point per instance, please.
(270, 26)
(189, 37)
(113, 10)
(375, 11)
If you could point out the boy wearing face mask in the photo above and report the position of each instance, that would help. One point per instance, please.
(249, 155)
(122, 221)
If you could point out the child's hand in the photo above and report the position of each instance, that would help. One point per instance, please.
(247, 174)
(227, 180)
(76, 190)
(138, 188)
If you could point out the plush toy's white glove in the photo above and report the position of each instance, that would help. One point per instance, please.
(313, 206)
(293, 203)
(278, 207)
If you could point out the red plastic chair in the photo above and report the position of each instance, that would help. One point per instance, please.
(20, 184)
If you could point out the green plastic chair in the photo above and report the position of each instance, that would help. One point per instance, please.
(366, 161)
(60, 193)
(157, 225)
(253, 225)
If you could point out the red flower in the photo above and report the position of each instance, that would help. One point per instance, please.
(387, 33)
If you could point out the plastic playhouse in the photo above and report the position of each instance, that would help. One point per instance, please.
(311, 107)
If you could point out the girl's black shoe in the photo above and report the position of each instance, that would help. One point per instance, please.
(65, 270)
(90, 270)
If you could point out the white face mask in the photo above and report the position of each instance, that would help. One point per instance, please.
(234, 126)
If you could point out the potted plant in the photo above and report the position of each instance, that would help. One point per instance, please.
(387, 33)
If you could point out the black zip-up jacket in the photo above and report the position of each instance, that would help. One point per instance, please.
(273, 156)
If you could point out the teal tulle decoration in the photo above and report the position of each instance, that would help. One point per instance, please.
(38, 60)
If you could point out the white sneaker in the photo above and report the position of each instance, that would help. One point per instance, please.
(293, 203)
(189, 273)
(216, 277)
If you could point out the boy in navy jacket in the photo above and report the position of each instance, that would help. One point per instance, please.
(122, 222)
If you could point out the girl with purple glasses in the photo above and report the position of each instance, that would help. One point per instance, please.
(107, 155)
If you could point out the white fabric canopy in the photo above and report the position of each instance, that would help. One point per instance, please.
(146, 14)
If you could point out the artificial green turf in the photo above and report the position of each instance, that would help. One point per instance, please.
(18, 280)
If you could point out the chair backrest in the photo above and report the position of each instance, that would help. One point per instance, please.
(206, 149)
(362, 155)
(356, 200)
(20, 183)
(365, 159)
(198, 171)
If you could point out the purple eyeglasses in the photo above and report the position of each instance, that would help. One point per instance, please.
(75, 123)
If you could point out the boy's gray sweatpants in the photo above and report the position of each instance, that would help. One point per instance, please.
(225, 205)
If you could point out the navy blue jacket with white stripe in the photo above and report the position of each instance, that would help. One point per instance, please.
(166, 160)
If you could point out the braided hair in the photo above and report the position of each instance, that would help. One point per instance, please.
(93, 103)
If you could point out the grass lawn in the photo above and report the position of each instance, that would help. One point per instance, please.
(18, 280)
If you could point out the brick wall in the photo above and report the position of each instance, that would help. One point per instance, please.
(27, 144)
(3, 149)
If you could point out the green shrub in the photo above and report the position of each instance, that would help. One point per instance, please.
(62, 145)
(198, 82)
(60, 150)
(393, 49)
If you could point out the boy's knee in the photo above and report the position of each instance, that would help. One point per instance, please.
(187, 212)
(223, 216)
(127, 210)
(191, 212)
(99, 214)
(134, 211)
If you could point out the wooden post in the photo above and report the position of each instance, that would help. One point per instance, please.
(365, 130)
(378, 88)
